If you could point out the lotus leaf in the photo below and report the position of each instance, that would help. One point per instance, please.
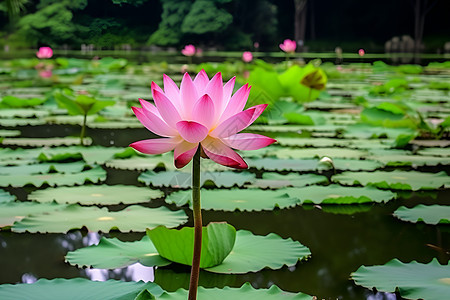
(429, 214)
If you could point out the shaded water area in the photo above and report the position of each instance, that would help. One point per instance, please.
(340, 238)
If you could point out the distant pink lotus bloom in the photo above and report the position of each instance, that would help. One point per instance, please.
(288, 46)
(256, 45)
(247, 56)
(201, 112)
(189, 50)
(44, 52)
(361, 52)
(45, 74)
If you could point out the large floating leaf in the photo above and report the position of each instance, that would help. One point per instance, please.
(45, 142)
(429, 214)
(413, 280)
(42, 168)
(96, 194)
(246, 292)
(406, 158)
(252, 253)
(275, 180)
(23, 113)
(6, 197)
(77, 288)
(237, 199)
(400, 180)
(363, 131)
(329, 142)
(336, 194)
(54, 179)
(133, 218)
(319, 152)
(142, 163)
(178, 245)
(435, 151)
(113, 253)
(9, 133)
(11, 212)
(183, 180)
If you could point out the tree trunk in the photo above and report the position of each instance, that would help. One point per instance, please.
(300, 22)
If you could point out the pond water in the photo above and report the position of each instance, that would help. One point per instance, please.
(341, 238)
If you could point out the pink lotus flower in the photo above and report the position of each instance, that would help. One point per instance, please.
(247, 56)
(189, 50)
(44, 52)
(201, 111)
(361, 52)
(45, 73)
(288, 46)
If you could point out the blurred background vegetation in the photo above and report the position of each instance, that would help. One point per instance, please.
(224, 24)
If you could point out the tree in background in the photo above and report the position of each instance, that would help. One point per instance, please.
(51, 23)
(169, 30)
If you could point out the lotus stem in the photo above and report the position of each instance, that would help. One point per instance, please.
(195, 270)
(83, 130)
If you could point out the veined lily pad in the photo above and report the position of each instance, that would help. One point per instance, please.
(142, 163)
(117, 254)
(178, 245)
(363, 131)
(320, 152)
(45, 142)
(6, 197)
(444, 152)
(336, 194)
(11, 212)
(246, 292)
(43, 168)
(400, 180)
(413, 280)
(133, 218)
(183, 180)
(275, 180)
(21, 122)
(429, 214)
(9, 133)
(329, 142)
(250, 253)
(77, 288)
(237, 199)
(96, 194)
(23, 113)
(54, 179)
(405, 158)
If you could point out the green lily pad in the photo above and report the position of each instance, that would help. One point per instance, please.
(6, 197)
(178, 245)
(11, 212)
(23, 113)
(113, 253)
(444, 152)
(77, 288)
(406, 158)
(400, 180)
(45, 142)
(9, 133)
(413, 280)
(348, 164)
(363, 131)
(237, 199)
(329, 142)
(320, 152)
(246, 291)
(43, 168)
(275, 164)
(336, 194)
(429, 214)
(21, 122)
(54, 179)
(146, 163)
(297, 128)
(275, 180)
(133, 218)
(252, 253)
(179, 179)
(96, 194)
